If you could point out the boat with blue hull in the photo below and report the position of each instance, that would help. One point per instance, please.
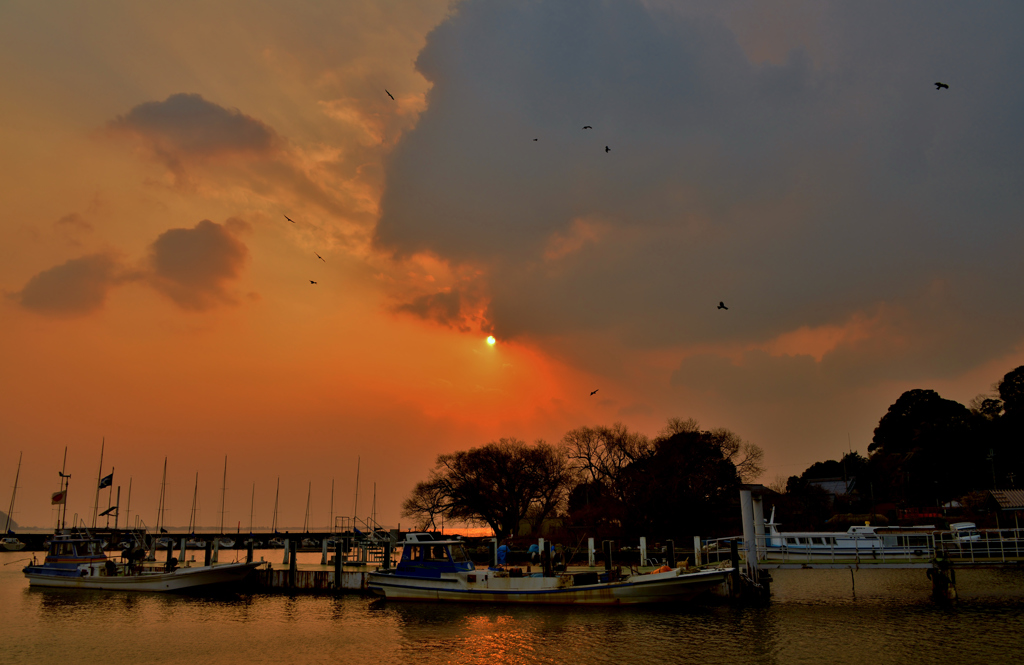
(76, 561)
(440, 570)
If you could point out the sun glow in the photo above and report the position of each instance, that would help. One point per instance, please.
(491, 340)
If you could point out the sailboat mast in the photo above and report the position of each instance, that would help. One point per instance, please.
(99, 476)
(330, 527)
(309, 495)
(355, 507)
(160, 507)
(252, 502)
(192, 519)
(65, 482)
(128, 508)
(7, 529)
(223, 492)
(273, 527)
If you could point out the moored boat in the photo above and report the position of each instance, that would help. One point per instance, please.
(857, 542)
(440, 570)
(76, 561)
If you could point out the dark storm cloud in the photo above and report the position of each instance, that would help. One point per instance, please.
(187, 123)
(194, 266)
(444, 307)
(74, 288)
(802, 191)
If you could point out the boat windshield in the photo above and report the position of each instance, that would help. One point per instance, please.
(459, 554)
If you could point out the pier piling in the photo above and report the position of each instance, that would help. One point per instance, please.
(248, 552)
(670, 551)
(337, 564)
(293, 564)
(207, 553)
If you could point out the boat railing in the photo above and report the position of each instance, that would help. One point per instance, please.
(982, 545)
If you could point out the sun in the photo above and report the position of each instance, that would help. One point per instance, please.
(491, 340)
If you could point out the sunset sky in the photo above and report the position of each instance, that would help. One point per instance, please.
(792, 159)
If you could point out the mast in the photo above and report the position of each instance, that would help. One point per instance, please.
(192, 519)
(330, 527)
(65, 481)
(355, 507)
(273, 526)
(160, 507)
(99, 476)
(7, 529)
(223, 491)
(309, 495)
(128, 508)
(252, 502)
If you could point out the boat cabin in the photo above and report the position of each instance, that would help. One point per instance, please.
(425, 556)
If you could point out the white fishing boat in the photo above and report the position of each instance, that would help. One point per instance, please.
(440, 570)
(857, 542)
(76, 561)
(10, 542)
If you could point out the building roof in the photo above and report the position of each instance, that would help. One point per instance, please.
(1009, 499)
(836, 486)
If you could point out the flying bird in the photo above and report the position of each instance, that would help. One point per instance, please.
(289, 219)
(389, 94)
(587, 127)
(593, 391)
(721, 305)
(534, 139)
(939, 85)
(312, 282)
(320, 257)
(607, 149)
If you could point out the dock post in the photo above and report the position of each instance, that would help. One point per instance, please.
(248, 552)
(670, 550)
(386, 564)
(734, 558)
(643, 551)
(170, 555)
(323, 557)
(697, 553)
(590, 552)
(287, 549)
(216, 550)
(293, 564)
(606, 546)
(494, 552)
(337, 564)
(207, 553)
(182, 555)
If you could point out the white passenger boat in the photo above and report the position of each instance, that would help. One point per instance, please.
(857, 542)
(76, 561)
(440, 570)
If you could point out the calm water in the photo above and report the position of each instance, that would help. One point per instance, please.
(815, 617)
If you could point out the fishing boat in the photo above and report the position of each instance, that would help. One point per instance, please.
(75, 560)
(440, 570)
(10, 542)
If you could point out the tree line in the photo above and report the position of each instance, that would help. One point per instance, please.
(926, 452)
(603, 480)
(614, 482)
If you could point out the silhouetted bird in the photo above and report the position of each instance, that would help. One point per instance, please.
(534, 139)
(389, 94)
(594, 391)
(312, 282)
(289, 219)
(587, 127)
(320, 257)
(721, 305)
(607, 149)
(939, 85)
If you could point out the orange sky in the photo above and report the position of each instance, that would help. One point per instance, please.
(155, 295)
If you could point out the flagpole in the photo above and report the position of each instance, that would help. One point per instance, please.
(99, 476)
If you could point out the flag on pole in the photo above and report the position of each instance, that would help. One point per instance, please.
(107, 481)
(58, 497)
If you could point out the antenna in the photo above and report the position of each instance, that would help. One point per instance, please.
(99, 476)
